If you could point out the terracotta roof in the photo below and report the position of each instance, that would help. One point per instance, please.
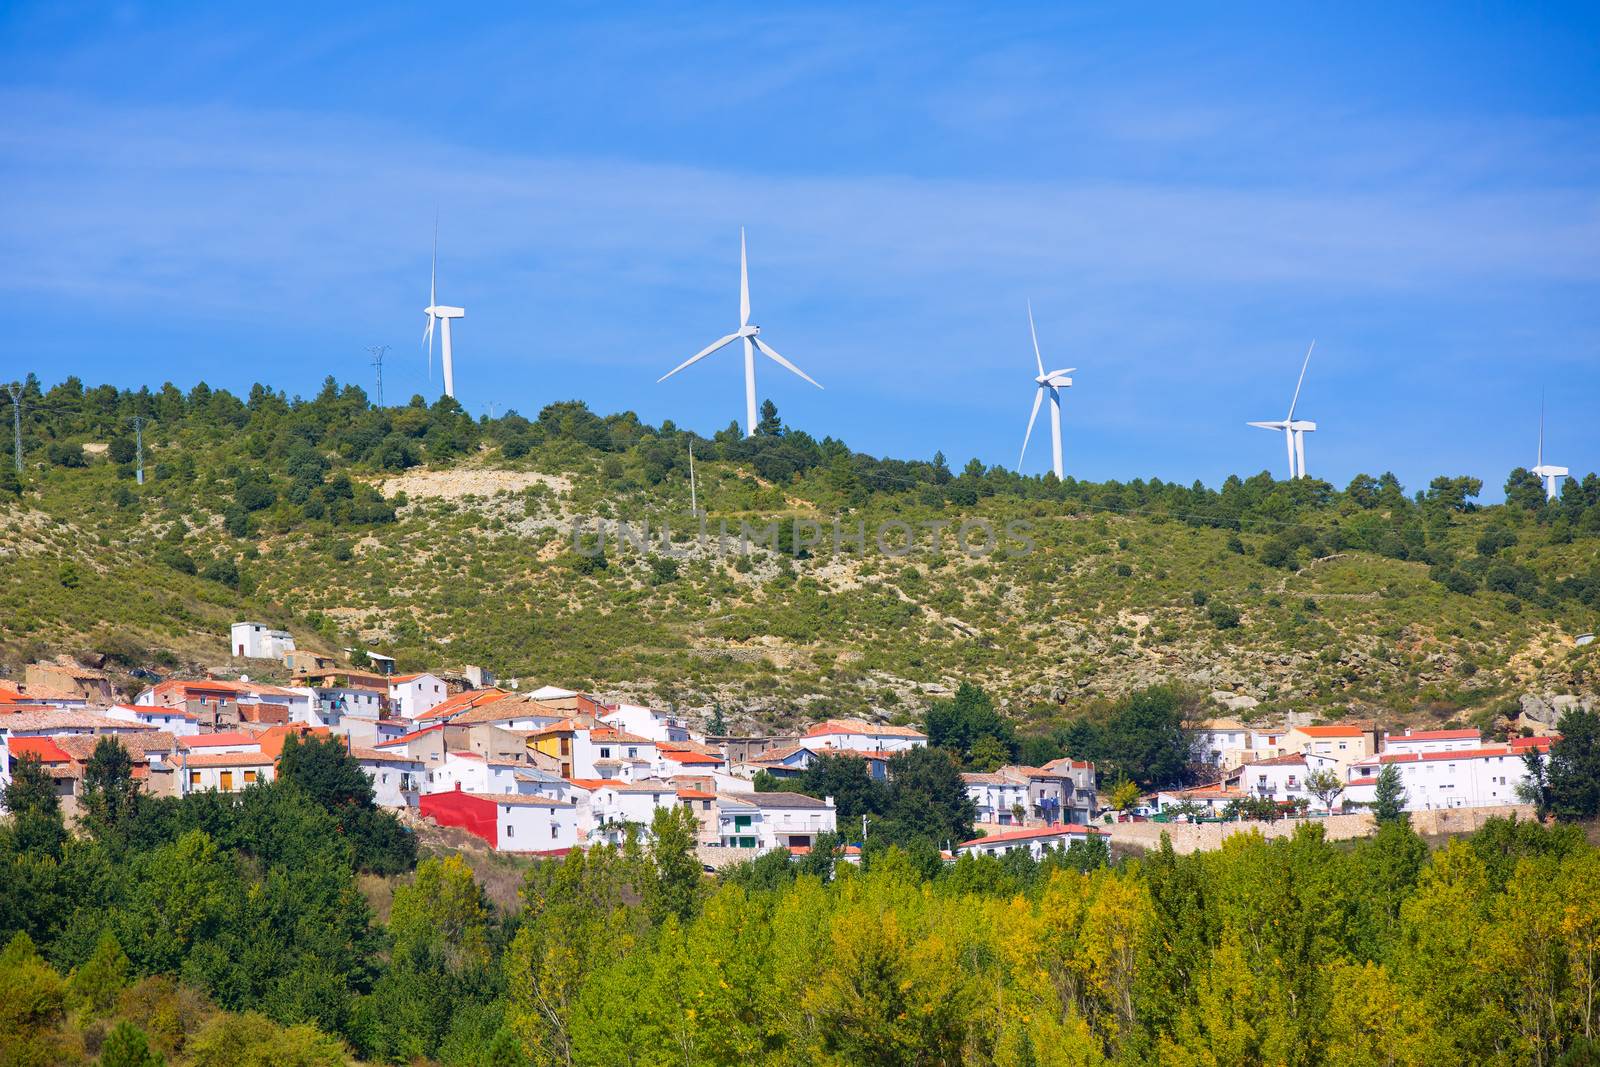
(612, 735)
(861, 726)
(642, 787)
(456, 704)
(680, 756)
(1065, 763)
(695, 794)
(219, 686)
(44, 749)
(220, 740)
(39, 719)
(505, 709)
(1362, 781)
(1335, 730)
(160, 711)
(1290, 760)
(778, 755)
(396, 678)
(989, 779)
(139, 746)
(520, 800)
(412, 736)
(273, 738)
(1457, 754)
(228, 759)
(1034, 832)
(596, 783)
(1433, 735)
(372, 755)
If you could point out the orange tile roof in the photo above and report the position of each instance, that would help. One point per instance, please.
(610, 734)
(228, 759)
(695, 794)
(680, 756)
(273, 739)
(412, 736)
(1433, 735)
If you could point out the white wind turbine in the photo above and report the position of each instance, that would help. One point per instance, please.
(751, 335)
(440, 313)
(1294, 431)
(1551, 474)
(1051, 382)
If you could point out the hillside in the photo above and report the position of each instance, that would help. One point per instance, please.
(421, 533)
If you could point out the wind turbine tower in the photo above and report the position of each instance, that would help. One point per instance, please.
(751, 336)
(441, 314)
(1551, 473)
(1051, 382)
(1294, 430)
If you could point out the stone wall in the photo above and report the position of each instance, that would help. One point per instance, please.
(1188, 838)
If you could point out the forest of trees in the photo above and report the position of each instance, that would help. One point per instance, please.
(224, 930)
(287, 461)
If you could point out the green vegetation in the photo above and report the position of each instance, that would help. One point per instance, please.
(252, 946)
(441, 539)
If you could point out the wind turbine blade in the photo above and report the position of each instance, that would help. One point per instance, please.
(744, 283)
(1038, 398)
(698, 356)
(780, 361)
(1037, 358)
(1301, 382)
(428, 336)
(1266, 425)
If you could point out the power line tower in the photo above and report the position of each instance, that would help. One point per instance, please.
(15, 389)
(378, 352)
(138, 444)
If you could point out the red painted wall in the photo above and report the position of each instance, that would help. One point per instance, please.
(472, 814)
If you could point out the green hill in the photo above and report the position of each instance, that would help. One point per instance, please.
(441, 540)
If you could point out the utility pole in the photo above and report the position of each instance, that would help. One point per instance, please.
(138, 445)
(863, 829)
(377, 362)
(15, 389)
(694, 507)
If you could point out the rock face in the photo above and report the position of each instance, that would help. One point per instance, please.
(1549, 707)
(1234, 701)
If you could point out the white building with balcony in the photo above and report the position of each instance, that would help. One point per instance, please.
(762, 822)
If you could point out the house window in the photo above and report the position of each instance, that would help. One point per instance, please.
(511, 831)
(605, 753)
(194, 777)
(554, 831)
(249, 777)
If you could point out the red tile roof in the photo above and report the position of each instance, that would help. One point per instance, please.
(695, 794)
(680, 756)
(44, 749)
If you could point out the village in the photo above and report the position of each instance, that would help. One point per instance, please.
(541, 772)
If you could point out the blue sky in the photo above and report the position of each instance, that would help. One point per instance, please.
(244, 192)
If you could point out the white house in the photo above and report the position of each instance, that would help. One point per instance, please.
(253, 640)
(397, 779)
(766, 821)
(1222, 743)
(411, 695)
(651, 723)
(788, 761)
(998, 797)
(616, 806)
(611, 744)
(476, 773)
(348, 712)
(509, 822)
(1449, 778)
(227, 741)
(1034, 840)
(176, 721)
(863, 736)
(223, 772)
(1432, 741)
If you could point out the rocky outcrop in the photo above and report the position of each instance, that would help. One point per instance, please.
(1549, 707)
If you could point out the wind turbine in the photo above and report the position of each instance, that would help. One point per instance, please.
(1051, 382)
(440, 313)
(751, 336)
(1551, 474)
(1294, 431)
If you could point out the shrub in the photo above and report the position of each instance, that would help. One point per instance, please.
(1223, 617)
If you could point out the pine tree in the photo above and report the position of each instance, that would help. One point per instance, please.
(1390, 803)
